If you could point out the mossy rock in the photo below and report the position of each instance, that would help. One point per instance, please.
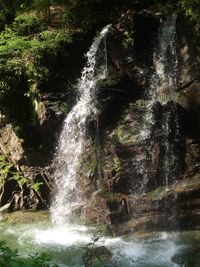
(19, 217)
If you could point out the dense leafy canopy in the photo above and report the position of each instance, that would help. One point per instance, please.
(87, 13)
(33, 32)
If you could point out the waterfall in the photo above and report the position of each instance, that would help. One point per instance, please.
(73, 138)
(165, 83)
(161, 95)
(165, 62)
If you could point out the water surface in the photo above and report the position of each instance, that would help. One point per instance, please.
(65, 245)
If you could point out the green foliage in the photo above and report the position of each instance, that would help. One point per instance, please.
(64, 107)
(7, 12)
(9, 172)
(89, 162)
(5, 168)
(44, 8)
(28, 46)
(24, 54)
(84, 14)
(10, 258)
(91, 168)
(36, 186)
(192, 9)
(26, 24)
(2, 20)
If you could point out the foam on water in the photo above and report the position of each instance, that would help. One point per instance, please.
(63, 236)
(64, 244)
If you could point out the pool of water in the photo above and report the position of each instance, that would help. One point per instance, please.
(66, 245)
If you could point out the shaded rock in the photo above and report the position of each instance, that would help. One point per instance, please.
(188, 67)
(190, 100)
(10, 144)
(5, 208)
(188, 257)
(172, 208)
(102, 253)
(25, 217)
(96, 211)
(7, 191)
(96, 255)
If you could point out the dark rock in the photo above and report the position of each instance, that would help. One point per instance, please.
(188, 66)
(96, 211)
(5, 208)
(96, 255)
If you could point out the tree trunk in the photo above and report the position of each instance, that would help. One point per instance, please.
(49, 13)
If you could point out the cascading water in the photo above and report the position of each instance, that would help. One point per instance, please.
(163, 83)
(165, 61)
(73, 139)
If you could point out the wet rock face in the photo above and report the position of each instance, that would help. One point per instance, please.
(168, 140)
(136, 165)
(96, 211)
(166, 208)
(188, 67)
(130, 55)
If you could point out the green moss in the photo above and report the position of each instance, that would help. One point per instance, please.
(126, 133)
(104, 193)
(89, 162)
(129, 127)
(155, 193)
(117, 163)
(26, 216)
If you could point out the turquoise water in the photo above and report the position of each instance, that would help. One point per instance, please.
(65, 244)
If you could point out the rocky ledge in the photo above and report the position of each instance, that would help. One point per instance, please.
(175, 207)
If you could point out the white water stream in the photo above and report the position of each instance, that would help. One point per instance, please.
(73, 139)
(165, 63)
(163, 83)
(164, 80)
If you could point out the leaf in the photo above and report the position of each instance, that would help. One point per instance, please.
(84, 247)
(96, 239)
(89, 244)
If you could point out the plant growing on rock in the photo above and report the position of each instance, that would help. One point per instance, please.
(95, 256)
(9, 172)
